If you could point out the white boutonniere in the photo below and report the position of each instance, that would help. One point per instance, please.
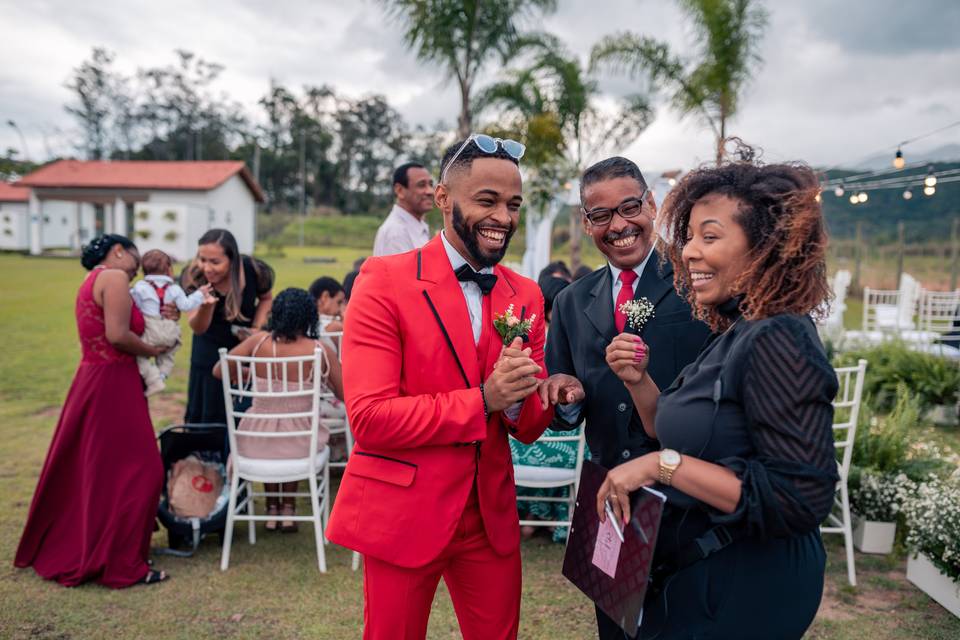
(639, 312)
(510, 326)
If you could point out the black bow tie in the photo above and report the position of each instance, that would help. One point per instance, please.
(485, 281)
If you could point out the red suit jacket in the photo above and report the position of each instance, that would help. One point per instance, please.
(411, 375)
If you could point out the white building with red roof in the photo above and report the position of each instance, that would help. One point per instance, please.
(14, 227)
(159, 205)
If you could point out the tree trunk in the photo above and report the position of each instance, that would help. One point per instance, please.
(465, 120)
(721, 141)
(576, 234)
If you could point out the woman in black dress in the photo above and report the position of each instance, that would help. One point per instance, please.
(242, 288)
(748, 461)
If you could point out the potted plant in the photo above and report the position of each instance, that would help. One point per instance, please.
(877, 502)
(933, 519)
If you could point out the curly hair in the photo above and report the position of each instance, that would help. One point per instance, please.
(294, 314)
(780, 213)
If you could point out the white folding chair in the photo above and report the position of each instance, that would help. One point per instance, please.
(832, 324)
(938, 311)
(340, 425)
(881, 317)
(533, 477)
(847, 407)
(337, 426)
(244, 470)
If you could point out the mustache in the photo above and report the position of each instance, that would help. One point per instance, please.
(631, 230)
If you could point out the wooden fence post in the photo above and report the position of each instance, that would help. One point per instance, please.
(857, 256)
(896, 285)
(954, 253)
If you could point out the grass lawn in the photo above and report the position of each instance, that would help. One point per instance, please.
(273, 589)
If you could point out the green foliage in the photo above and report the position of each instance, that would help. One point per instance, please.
(882, 444)
(933, 380)
(727, 37)
(464, 36)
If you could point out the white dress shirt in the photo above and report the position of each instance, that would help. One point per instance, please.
(147, 300)
(571, 412)
(400, 232)
(615, 273)
(471, 290)
(474, 298)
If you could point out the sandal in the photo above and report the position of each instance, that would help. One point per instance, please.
(154, 577)
(289, 526)
(272, 510)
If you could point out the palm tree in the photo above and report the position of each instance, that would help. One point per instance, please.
(728, 33)
(551, 104)
(463, 36)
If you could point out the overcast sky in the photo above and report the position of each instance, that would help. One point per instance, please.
(841, 79)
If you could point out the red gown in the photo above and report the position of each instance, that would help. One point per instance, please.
(93, 512)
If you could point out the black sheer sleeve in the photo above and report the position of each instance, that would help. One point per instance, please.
(787, 391)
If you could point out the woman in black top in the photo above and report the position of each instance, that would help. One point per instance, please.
(748, 462)
(242, 290)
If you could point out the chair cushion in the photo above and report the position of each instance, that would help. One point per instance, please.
(266, 469)
(540, 476)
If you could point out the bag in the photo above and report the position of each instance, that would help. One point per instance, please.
(193, 487)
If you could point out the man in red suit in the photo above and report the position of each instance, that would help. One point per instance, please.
(432, 393)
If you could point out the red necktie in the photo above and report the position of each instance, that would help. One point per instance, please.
(627, 278)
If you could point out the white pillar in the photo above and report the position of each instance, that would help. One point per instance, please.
(120, 218)
(36, 225)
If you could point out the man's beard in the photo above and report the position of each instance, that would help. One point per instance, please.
(468, 234)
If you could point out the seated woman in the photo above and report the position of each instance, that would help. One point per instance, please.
(331, 300)
(748, 462)
(291, 331)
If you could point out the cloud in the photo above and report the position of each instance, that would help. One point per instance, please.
(840, 80)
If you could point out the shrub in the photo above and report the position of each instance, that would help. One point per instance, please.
(883, 444)
(881, 497)
(933, 379)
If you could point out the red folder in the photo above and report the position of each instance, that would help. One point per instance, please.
(621, 596)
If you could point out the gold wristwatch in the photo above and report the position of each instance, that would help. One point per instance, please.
(669, 461)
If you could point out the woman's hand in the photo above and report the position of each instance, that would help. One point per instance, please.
(628, 356)
(622, 480)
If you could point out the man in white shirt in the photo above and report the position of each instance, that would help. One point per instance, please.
(405, 229)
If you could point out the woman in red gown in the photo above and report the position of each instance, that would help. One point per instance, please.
(93, 512)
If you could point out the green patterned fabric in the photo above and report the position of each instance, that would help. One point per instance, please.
(561, 455)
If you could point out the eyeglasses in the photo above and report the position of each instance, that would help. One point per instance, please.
(629, 209)
(488, 145)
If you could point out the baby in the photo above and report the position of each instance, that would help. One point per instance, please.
(158, 287)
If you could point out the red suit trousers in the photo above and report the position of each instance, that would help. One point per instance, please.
(484, 587)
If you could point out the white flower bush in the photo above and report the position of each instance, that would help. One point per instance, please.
(881, 497)
(933, 519)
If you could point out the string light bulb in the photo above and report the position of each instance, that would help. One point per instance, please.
(854, 199)
(907, 194)
(839, 190)
(929, 190)
(862, 196)
(898, 160)
(818, 197)
(930, 180)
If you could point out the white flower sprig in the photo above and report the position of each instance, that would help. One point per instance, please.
(639, 312)
(881, 496)
(510, 326)
(933, 521)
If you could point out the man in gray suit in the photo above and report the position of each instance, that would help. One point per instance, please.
(618, 213)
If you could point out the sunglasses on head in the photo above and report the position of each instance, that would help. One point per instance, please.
(487, 144)
(628, 209)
